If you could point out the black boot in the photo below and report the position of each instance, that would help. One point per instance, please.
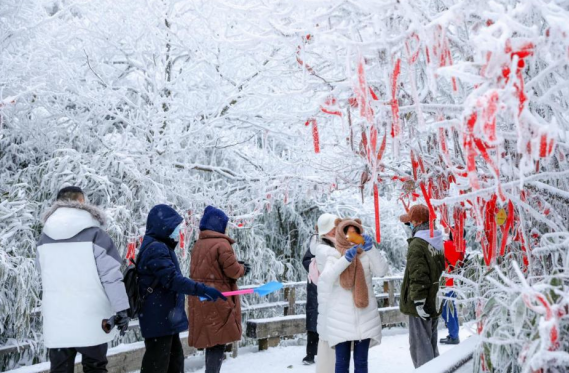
(450, 341)
(308, 360)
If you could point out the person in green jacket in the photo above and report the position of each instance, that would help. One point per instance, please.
(425, 265)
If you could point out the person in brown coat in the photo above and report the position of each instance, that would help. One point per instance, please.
(215, 324)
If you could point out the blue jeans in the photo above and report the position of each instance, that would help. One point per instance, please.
(451, 317)
(343, 351)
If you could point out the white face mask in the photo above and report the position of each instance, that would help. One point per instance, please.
(176, 233)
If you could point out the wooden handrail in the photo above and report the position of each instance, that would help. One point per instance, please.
(289, 305)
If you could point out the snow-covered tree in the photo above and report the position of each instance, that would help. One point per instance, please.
(278, 110)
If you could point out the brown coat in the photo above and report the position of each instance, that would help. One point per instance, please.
(214, 264)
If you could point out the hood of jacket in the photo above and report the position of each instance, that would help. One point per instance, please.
(436, 241)
(214, 220)
(65, 219)
(313, 244)
(315, 241)
(161, 222)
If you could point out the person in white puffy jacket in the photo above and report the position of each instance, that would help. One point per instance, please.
(81, 284)
(321, 247)
(352, 319)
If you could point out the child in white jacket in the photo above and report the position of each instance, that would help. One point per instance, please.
(353, 316)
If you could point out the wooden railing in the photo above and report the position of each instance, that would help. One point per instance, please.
(289, 304)
(269, 331)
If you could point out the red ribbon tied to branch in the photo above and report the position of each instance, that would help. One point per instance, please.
(315, 135)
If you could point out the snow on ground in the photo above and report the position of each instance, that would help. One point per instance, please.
(393, 353)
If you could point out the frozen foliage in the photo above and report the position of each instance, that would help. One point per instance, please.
(278, 110)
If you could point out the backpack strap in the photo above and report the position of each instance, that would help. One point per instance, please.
(155, 283)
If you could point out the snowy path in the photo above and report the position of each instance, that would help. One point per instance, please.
(393, 353)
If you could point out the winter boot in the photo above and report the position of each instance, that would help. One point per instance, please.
(308, 360)
(450, 341)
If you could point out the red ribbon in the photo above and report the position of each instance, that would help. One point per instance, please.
(376, 208)
(131, 251)
(315, 135)
(395, 128)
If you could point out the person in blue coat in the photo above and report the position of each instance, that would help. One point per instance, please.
(163, 316)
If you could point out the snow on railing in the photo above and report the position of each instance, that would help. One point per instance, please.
(289, 304)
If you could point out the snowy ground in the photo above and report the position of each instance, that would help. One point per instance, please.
(391, 356)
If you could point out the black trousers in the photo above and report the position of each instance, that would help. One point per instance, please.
(312, 344)
(94, 359)
(163, 355)
(214, 358)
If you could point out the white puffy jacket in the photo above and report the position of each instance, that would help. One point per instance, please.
(340, 320)
(321, 250)
(81, 277)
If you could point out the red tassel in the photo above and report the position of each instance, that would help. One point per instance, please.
(489, 250)
(432, 214)
(131, 251)
(414, 165)
(507, 227)
(376, 207)
(471, 152)
(361, 93)
(315, 135)
(395, 129)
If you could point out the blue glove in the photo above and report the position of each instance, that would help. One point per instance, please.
(368, 244)
(211, 294)
(352, 252)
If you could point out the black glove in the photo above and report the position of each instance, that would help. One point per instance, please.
(247, 267)
(211, 294)
(121, 321)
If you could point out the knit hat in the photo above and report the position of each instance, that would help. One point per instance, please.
(326, 222)
(418, 213)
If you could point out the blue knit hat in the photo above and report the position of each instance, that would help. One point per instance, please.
(213, 220)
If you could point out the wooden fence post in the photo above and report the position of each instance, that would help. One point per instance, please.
(290, 296)
(235, 350)
(386, 290)
(391, 292)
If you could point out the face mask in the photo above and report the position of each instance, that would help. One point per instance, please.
(176, 234)
(411, 226)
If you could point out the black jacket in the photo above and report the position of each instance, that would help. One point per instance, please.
(311, 296)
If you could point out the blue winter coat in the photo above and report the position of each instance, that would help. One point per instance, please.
(163, 312)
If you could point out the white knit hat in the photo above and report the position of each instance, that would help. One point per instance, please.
(326, 223)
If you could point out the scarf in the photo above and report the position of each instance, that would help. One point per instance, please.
(353, 277)
(421, 227)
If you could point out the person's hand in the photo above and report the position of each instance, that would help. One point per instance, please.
(368, 242)
(212, 294)
(247, 267)
(352, 252)
(420, 306)
(121, 321)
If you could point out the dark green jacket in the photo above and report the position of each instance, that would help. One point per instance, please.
(425, 264)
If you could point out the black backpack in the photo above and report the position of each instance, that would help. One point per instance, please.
(135, 299)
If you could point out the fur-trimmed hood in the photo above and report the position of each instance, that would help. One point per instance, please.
(342, 242)
(94, 211)
(67, 218)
